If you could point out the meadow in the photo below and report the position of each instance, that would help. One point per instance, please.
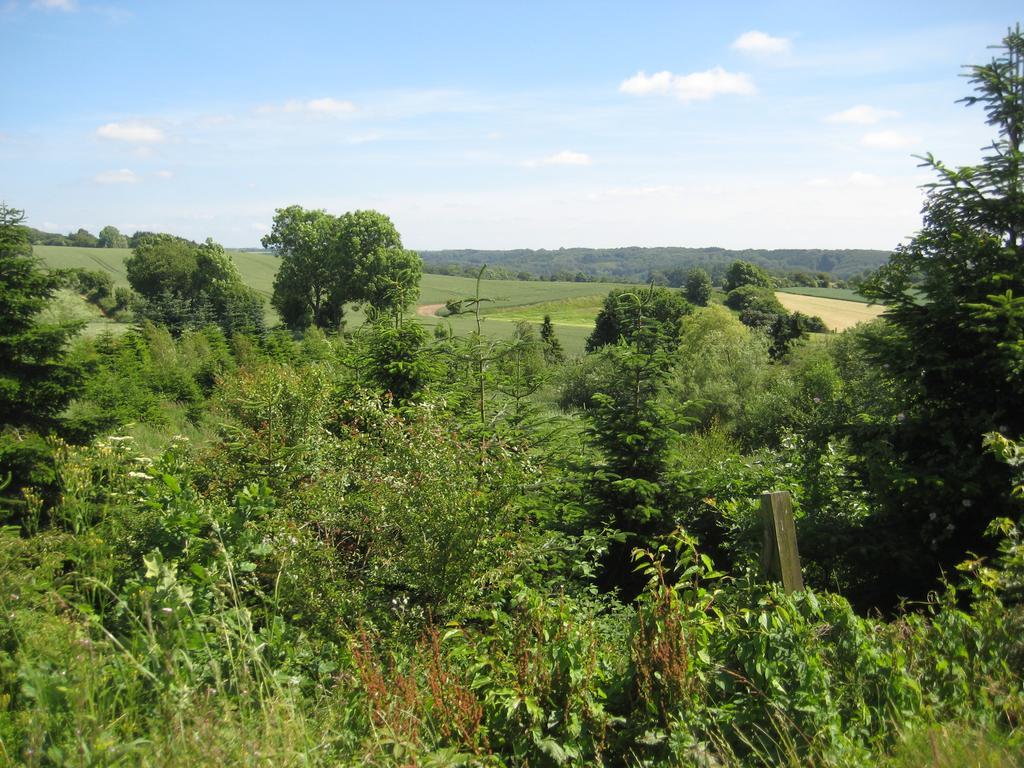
(572, 306)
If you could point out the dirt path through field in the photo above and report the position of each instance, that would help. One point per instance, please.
(428, 310)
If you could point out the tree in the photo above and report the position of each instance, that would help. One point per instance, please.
(553, 352)
(633, 428)
(185, 285)
(954, 299)
(745, 273)
(622, 314)
(328, 261)
(111, 237)
(83, 239)
(161, 263)
(36, 381)
(383, 274)
(698, 287)
(308, 288)
(753, 297)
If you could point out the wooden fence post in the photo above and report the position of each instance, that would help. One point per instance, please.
(780, 559)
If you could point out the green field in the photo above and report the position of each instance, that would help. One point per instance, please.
(843, 294)
(437, 289)
(580, 311)
(572, 306)
(69, 306)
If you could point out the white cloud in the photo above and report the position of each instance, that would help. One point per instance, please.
(322, 106)
(134, 132)
(761, 44)
(862, 114)
(889, 140)
(58, 5)
(696, 86)
(861, 179)
(329, 106)
(855, 179)
(122, 176)
(565, 157)
(165, 174)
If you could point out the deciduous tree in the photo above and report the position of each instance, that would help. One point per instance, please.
(698, 287)
(745, 273)
(328, 261)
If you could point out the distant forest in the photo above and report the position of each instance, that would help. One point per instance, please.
(666, 265)
(635, 264)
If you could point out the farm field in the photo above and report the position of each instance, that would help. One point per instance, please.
(845, 294)
(572, 306)
(838, 314)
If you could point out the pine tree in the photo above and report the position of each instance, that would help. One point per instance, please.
(35, 381)
(956, 302)
(553, 352)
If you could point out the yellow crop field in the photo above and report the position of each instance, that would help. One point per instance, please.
(837, 314)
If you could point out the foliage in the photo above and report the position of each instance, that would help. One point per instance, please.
(553, 352)
(185, 286)
(657, 310)
(635, 264)
(951, 298)
(111, 237)
(741, 273)
(398, 362)
(36, 379)
(721, 366)
(386, 549)
(328, 261)
(753, 298)
(698, 287)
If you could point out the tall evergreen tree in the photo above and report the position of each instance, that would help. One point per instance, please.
(553, 352)
(35, 381)
(956, 299)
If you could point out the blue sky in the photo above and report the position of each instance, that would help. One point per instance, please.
(487, 125)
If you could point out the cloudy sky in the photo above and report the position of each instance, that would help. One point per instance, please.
(492, 125)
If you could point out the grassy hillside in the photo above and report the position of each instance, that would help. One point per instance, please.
(258, 268)
(68, 306)
(572, 306)
(109, 260)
